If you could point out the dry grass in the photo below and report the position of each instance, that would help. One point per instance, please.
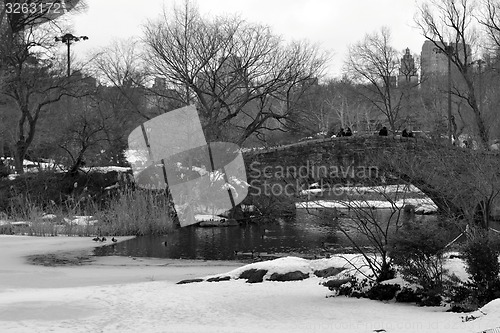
(128, 212)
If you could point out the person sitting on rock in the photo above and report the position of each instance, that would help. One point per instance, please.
(348, 132)
(341, 133)
(383, 131)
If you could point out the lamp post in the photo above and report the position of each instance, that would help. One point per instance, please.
(68, 39)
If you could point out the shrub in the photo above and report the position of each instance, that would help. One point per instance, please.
(480, 253)
(6, 229)
(431, 298)
(408, 295)
(418, 254)
(383, 292)
(462, 299)
(351, 286)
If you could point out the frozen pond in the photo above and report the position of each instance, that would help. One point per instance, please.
(306, 233)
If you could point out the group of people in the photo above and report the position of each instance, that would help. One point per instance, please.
(405, 134)
(383, 132)
(348, 132)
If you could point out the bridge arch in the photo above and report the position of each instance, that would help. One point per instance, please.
(279, 173)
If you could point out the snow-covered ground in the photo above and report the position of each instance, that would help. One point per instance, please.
(74, 220)
(30, 166)
(118, 294)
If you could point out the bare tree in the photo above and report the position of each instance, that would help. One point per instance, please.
(350, 108)
(313, 114)
(242, 77)
(121, 66)
(17, 15)
(86, 131)
(449, 25)
(489, 17)
(373, 63)
(33, 80)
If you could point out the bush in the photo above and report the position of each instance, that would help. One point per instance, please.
(353, 287)
(383, 292)
(408, 295)
(462, 299)
(418, 254)
(480, 253)
(431, 298)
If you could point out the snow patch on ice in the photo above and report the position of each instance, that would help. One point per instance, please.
(424, 205)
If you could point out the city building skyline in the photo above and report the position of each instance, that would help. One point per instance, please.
(408, 72)
(433, 61)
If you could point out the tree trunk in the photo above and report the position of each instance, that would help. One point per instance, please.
(482, 214)
(20, 153)
(24, 141)
(481, 126)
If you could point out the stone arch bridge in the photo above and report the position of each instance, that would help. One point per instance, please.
(458, 180)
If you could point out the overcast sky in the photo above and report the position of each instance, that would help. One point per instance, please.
(334, 24)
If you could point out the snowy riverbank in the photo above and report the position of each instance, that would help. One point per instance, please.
(114, 294)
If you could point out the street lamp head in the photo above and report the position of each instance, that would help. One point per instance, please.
(68, 38)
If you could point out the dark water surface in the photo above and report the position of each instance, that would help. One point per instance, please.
(306, 233)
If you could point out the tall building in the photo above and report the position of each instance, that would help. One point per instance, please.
(407, 70)
(434, 62)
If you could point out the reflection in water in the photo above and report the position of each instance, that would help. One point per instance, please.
(306, 233)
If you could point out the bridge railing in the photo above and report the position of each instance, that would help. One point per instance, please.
(367, 136)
